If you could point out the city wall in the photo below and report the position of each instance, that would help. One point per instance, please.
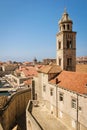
(16, 106)
(31, 122)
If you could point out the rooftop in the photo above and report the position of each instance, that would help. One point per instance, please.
(27, 71)
(50, 69)
(73, 81)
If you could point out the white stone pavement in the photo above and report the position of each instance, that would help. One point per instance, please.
(48, 121)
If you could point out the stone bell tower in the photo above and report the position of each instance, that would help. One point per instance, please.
(66, 44)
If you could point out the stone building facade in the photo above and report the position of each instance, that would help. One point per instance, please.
(65, 97)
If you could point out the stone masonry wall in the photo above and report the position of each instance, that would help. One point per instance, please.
(14, 108)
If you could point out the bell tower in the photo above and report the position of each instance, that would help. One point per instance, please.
(66, 44)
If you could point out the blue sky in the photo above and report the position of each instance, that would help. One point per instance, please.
(28, 27)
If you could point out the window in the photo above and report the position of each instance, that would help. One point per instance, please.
(51, 92)
(73, 103)
(69, 44)
(64, 27)
(59, 43)
(61, 97)
(59, 62)
(69, 61)
(80, 109)
(44, 88)
(68, 27)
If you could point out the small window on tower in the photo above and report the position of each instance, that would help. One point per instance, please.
(59, 62)
(67, 44)
(68, 27)
(59, 45)
(70, 45)
(64, 27)
(69, 61)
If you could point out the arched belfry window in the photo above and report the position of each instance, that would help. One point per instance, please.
(64, 27)
(68, 27)
(59, 61)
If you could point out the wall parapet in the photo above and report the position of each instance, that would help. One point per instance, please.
(14, 108)
(31, 122)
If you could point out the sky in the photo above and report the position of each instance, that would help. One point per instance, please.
(28, 28)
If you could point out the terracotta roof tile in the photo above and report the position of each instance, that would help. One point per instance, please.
(50, 69)
(28, 82)
(72, 81)
(28, 71)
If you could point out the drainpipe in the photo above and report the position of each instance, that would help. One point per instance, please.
(77, 113)
(33, 90)
(56, 97)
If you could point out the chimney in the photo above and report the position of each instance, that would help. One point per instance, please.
(56, 80)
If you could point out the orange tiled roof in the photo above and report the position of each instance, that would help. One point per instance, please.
(28, 71)
(72, 81)
(28, 82)
(50, 69)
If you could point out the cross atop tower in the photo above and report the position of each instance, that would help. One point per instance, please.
(65, 10)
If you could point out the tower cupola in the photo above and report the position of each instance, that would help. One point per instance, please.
(65, 23)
